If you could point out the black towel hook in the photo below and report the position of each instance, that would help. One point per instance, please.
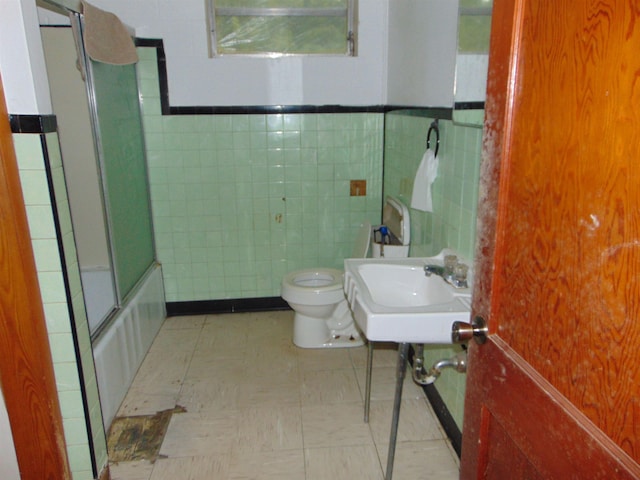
(434, 128)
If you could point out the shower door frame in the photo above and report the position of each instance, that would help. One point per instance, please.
(72, 9)
(77, 27)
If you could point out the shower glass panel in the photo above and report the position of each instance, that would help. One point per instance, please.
(124, 170)
(82, 178)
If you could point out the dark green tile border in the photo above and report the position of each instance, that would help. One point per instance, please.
(469, 106)
(168, 109)
(449, 425)
(48, 123)
(33, 123)
(237, 305)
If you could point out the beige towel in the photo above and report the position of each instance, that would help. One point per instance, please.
(106, 39)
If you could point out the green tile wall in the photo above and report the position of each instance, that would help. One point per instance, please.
(452, 222)
(33, 176)
(239, 200)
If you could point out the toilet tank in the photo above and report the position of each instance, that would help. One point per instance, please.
(395, 216)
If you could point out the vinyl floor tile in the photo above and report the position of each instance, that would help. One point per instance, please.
(257, 407)
(329, 387)
(269, 429)
(328, 426)
(343, 463)
(191, 468)
(426, 459)
(417, 422)
(136, 470)
(182, 322)
(139, 401)
(311, 360)
(383, 384)
(286, 465)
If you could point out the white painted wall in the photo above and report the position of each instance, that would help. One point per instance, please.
(197, 80)
(406, 56)
(21, 59)
(422, 52)
(471, 77)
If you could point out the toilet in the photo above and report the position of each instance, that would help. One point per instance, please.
(322, 315)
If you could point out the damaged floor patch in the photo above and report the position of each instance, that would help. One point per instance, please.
(139, 437)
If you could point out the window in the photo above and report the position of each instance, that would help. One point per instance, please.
(282, 27)
(474, 26)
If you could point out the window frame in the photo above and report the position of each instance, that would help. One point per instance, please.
(350, 12)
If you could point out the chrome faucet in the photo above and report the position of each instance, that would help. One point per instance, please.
(434, 270)
(455, 279)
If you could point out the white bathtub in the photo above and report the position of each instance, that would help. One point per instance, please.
(121, 347)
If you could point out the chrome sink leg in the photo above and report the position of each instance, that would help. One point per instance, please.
(403, 352)
(367, 390)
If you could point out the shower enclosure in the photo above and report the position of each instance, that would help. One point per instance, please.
(105, 173)
(97, 109)
(82, 176)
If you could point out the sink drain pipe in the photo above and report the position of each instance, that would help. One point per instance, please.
(457, 362)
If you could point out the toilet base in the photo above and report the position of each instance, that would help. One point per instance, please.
(310, 332)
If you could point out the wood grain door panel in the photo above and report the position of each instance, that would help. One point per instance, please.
(558, 258)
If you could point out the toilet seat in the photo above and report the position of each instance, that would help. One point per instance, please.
(315, 286)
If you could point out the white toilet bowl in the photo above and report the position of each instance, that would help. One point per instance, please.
(322, 316)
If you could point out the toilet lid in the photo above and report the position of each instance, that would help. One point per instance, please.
(363, 239)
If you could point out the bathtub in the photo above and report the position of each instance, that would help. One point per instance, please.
(121, 346)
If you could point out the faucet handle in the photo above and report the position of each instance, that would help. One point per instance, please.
(460, 272)
(450, 262)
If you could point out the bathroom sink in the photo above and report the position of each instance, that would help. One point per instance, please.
(393, 300)
(394, 285)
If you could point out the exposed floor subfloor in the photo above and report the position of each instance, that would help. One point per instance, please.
(257, 407)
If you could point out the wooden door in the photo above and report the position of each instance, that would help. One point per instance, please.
(26, 372)
(555, 391)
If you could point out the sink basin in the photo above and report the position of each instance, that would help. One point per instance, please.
(393, 300)
(394, 285)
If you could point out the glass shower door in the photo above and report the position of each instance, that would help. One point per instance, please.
(81, 174)
(124, 171)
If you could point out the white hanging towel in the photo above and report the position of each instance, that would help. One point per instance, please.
(425, 175)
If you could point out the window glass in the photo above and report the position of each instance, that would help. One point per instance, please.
(474, 26)
(282, 27)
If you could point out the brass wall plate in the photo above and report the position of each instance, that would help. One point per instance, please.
(358, 188)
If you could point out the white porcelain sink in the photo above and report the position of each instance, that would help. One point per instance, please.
(393, 300)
